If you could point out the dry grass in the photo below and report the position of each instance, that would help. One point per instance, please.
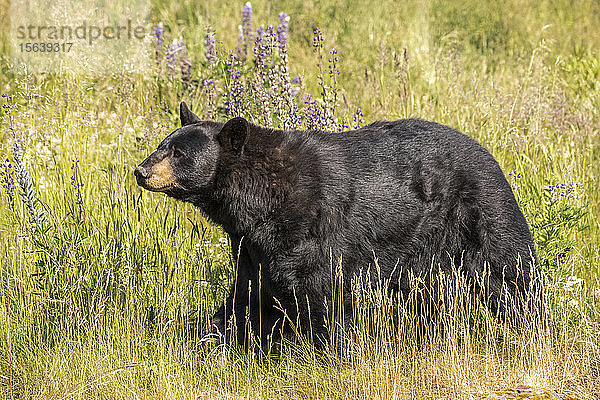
(95, 306)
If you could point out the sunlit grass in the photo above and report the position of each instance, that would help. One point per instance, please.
(98, 304)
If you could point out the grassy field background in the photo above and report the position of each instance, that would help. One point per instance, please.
(99, 279)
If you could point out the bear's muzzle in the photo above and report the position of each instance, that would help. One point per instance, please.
(156, 177)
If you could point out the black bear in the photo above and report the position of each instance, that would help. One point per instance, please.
(415, 197)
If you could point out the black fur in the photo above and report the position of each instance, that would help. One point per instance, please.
(412, 194)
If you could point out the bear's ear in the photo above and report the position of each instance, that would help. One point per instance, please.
(233, 134)
(187, 117)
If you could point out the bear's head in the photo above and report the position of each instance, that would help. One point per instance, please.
(187, 160)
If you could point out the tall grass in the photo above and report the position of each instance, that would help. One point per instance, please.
(99, 291)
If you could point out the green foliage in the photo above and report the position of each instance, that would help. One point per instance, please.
(554, 222)
(485, 27)
(119, 282)
(583, 72)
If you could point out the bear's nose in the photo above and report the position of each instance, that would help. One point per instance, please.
(141, 172)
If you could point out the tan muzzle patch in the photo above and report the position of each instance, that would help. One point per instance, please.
(162, 177)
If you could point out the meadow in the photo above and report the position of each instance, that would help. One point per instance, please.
(104, 286)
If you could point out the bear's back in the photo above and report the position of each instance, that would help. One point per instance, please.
(415, 178)
(393, 149)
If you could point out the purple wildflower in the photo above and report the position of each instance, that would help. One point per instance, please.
(333, 73)
(294, 117)
(186, 63)
(8, 106)
(342, 126)
(247, 21)
(333, 63)
(282, 31)
(563, 190)
(259, 47)
(37, 215)
(315, 114)
(515, 175)
(7, 180)
(263, 46)
(76, 182)
(317, 39)
(235, 88)
(260, 31)
(210, 50)
(358, 118)
(208, 87)
(560, 258)
(514, 178)
(245, 32)
(158, 34)
(172, 53)
(157, 40)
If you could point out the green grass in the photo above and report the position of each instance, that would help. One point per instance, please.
(96, 303)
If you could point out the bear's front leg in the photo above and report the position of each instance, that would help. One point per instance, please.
(231, 314)
(249, 310)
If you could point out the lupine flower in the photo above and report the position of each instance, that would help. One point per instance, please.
(235, 88)
(294, 117)
(210, 50)
(245, 32)
(333, 73)
(7, 107)
(37, 215)
(259, 32)
(284, 99)
(333, 63)
(513, 179)
(265, 78)
(186, 63)
(263, 46)
(7, 180)
(560, 258)
(315, 115)
(282, 31)
(317, 39)
(328, 96)
(172, 53)
(515, 175)
(563, 190)
(158, 34)
(270, 37)
(296, 80)
(358, 118)
(208, 86)
(342, 126)
(259, 47)
(158, 41)
(76, 182)
(247, 22)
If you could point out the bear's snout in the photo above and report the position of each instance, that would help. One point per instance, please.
(141, 173)
(154, 175)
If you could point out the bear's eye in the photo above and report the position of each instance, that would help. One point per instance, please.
(177, 153)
